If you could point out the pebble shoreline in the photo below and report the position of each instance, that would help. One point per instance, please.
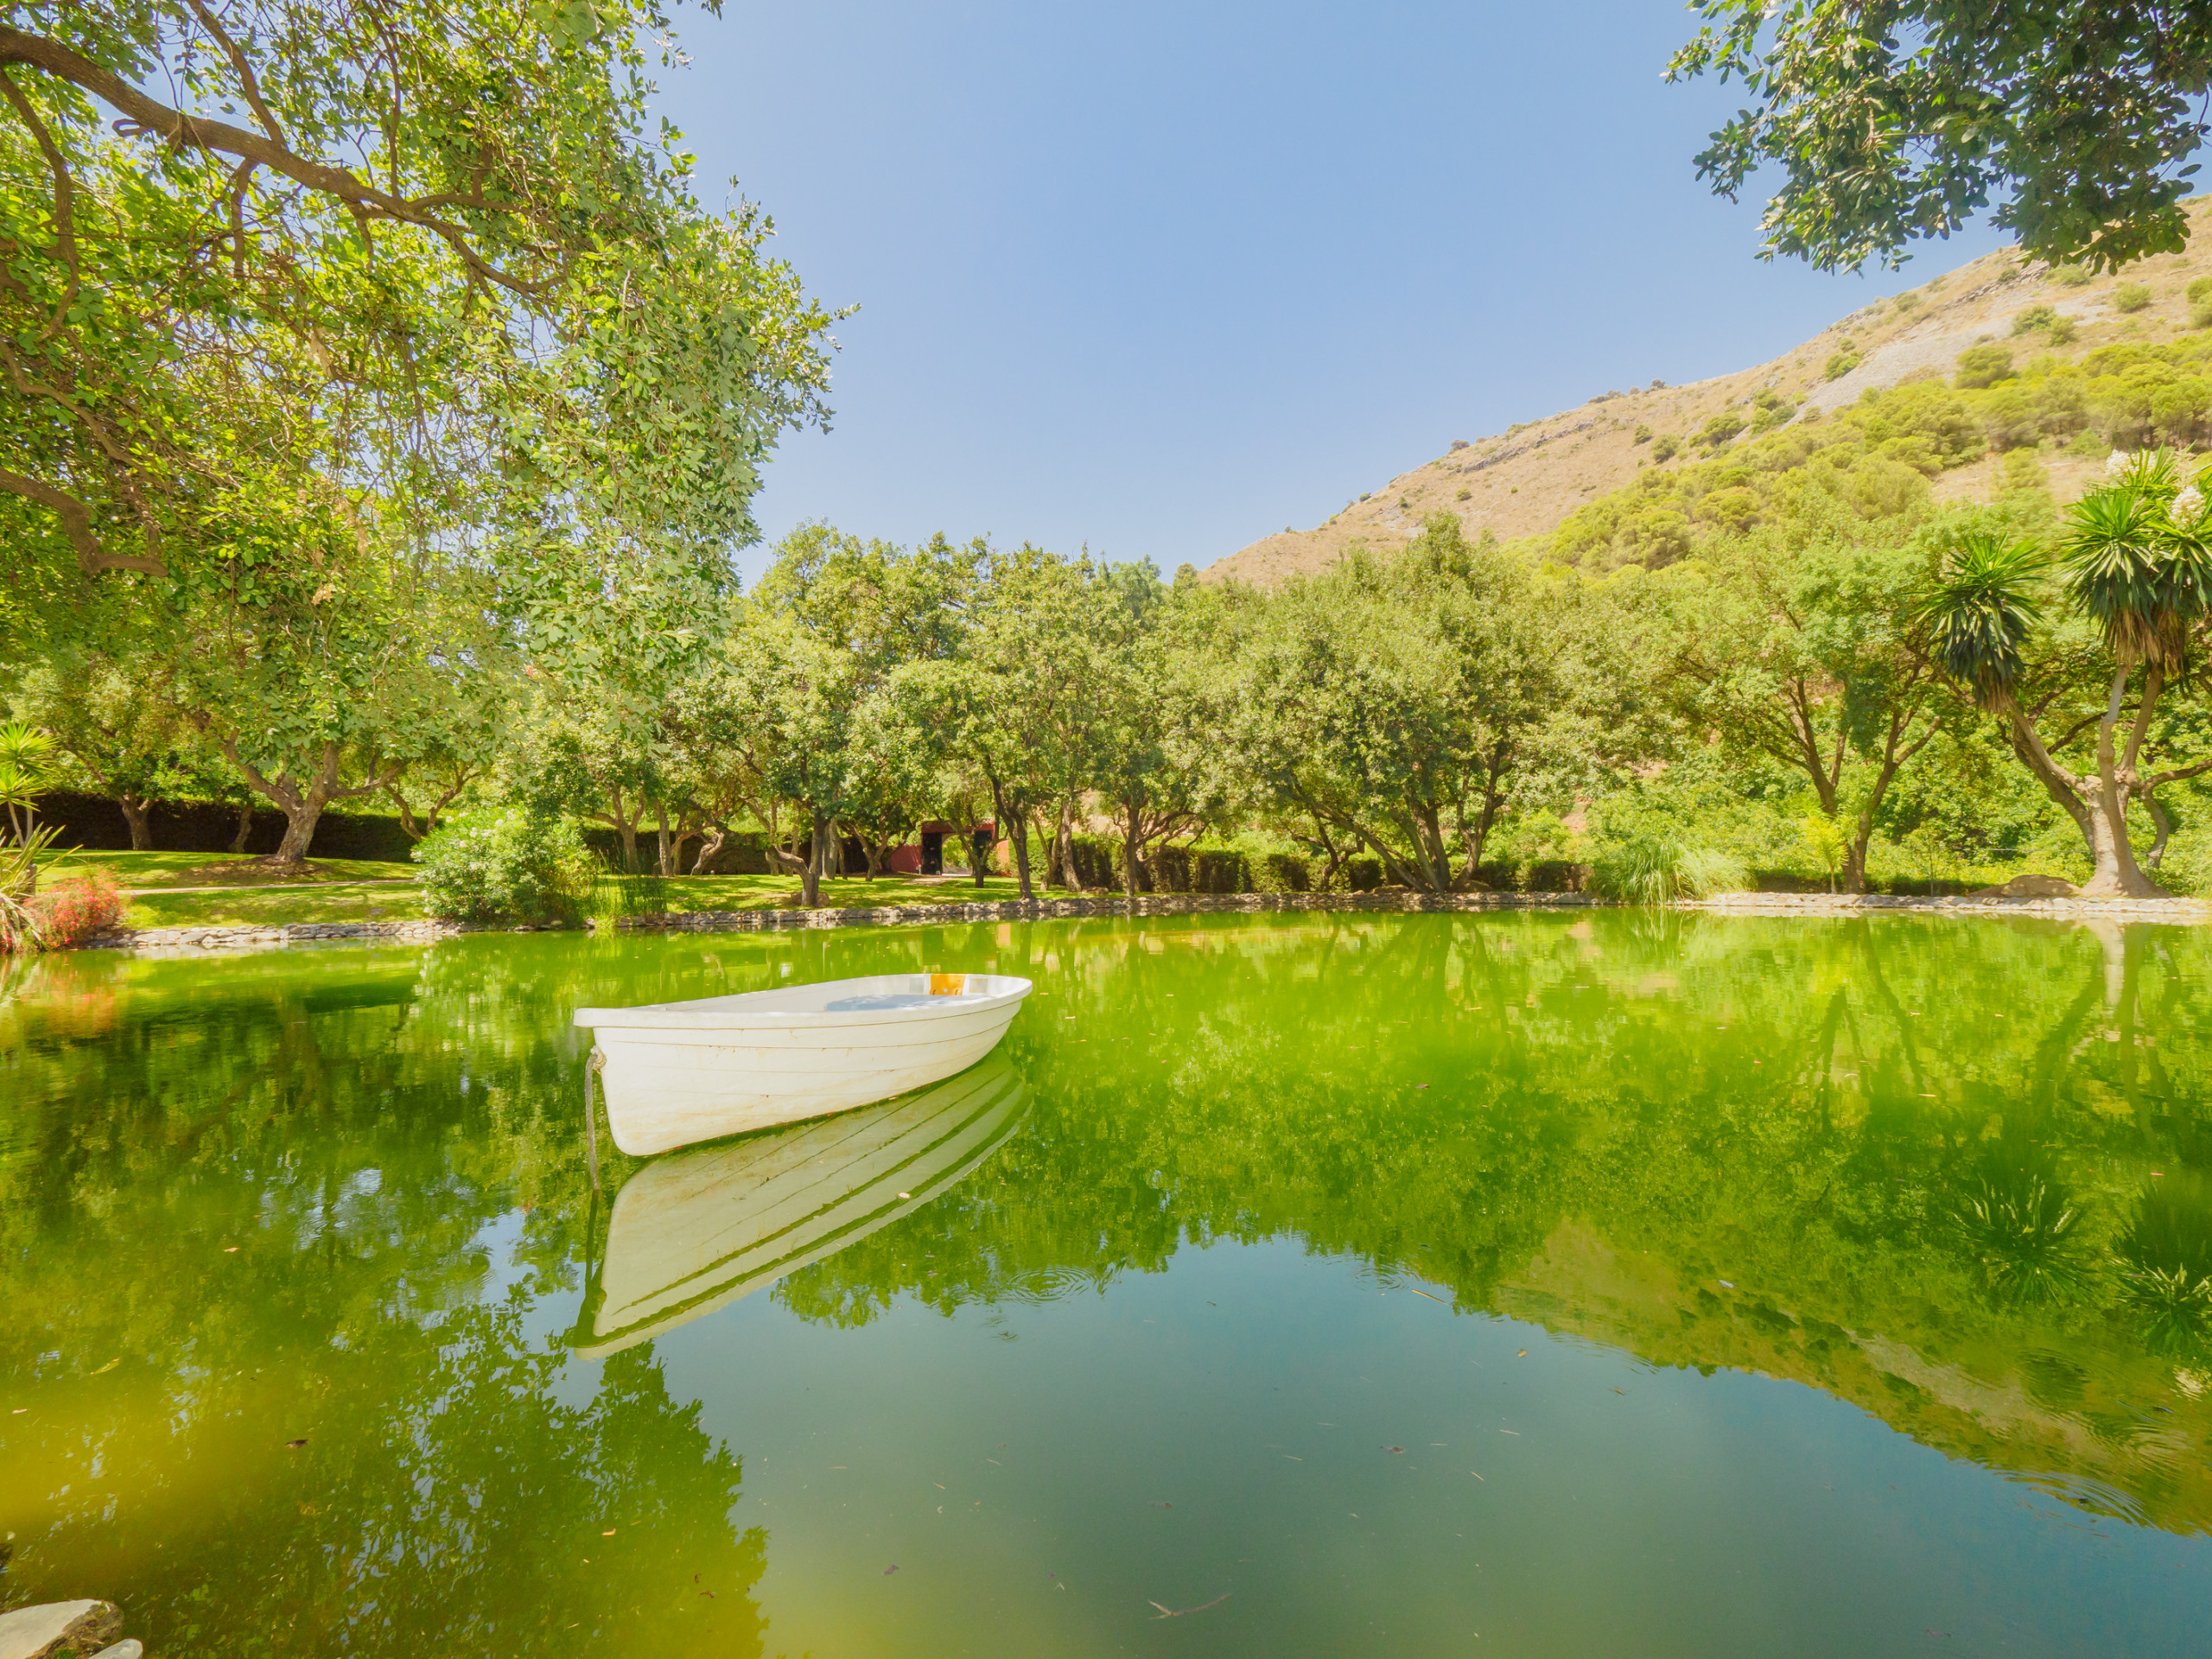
(177, 940)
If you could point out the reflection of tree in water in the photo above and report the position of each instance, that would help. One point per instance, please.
(2021, 1229)
(354, 1127)
(445, 1502)
(2167, 1247)
(1895, 1140)
(465, 1512)
(1623, 1112)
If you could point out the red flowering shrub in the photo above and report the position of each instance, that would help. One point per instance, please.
(76, 907)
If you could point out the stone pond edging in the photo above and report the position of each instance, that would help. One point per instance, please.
(250, 936)
(2178, 911)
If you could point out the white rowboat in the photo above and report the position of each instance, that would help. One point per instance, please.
(695, 1232)
(673, 1073)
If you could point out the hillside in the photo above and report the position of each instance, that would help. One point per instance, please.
(1525, 481)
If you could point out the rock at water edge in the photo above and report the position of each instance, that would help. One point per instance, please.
(35, 1633)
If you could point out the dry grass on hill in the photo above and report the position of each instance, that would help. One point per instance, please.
(1524, 481)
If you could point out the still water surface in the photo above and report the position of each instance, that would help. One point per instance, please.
(1345, 1285)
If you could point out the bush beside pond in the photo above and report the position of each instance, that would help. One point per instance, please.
(507, 865)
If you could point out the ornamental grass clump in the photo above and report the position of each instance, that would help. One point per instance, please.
(510, 864)
(1650, 864)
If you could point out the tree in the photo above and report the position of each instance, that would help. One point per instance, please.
(1898, 121)
(450, 213)
(1805, 650)
(834, 622)
(116, 721)
(2134, 566)
(1399, 701)
(1150, 743)
(1018, 700)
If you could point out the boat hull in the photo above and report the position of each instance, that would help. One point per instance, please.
(686, 1072)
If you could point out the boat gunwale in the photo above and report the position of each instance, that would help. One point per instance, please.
(687, 1016)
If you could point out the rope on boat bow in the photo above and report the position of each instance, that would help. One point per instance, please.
(593, 1067)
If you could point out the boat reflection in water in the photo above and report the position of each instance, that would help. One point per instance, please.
(693, 1231)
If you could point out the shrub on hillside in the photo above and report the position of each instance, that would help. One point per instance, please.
(2131, 296)
(2035, 317)
(1642, 434)
(2061, 330)
(1843, 361)
(2069, 275)
(1720, 430)
(1666, 447)
(77, 908)
(2200, 304)
(507, 865)
(1983, 366)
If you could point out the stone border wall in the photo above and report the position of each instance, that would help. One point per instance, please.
(2177, 911)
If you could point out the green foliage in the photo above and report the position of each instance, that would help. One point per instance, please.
(1888, 130)
(2131, 296)
(1980, 612)
(506, 864)
(1983, 366)
(1842, 362)
(2145, 581)
(2069, 275)
(2035, 317)
(1644, 859)
(2200, 304)
(1666, 447)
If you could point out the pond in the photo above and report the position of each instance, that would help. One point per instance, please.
(1347, 1284)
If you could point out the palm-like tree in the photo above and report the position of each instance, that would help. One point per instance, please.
(2146, 580)
(2134, 559)
(1980, 614)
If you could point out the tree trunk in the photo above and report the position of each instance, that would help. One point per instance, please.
(245, 829)
(300, 821)
(1854, 876)
(2164, 826)
(810, 883)
(136, 809)
(1021, 853)
(1064, 851)
(2116, 870)
(1132, 851)
(661, 861)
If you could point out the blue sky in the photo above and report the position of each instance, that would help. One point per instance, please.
(1163, 279)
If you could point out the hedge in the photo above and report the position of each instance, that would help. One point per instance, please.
(97, 824)
(1236, 869)
(744, 853)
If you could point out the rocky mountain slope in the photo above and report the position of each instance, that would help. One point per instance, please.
(1526, 479)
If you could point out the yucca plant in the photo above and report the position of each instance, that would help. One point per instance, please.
(23, 750)
(2145, 580)
(1980, 614)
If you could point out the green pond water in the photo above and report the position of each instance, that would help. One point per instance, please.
(1341, 1285)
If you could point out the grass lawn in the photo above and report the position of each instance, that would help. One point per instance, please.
(329, 899)
(219, 869)
(325, 901)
